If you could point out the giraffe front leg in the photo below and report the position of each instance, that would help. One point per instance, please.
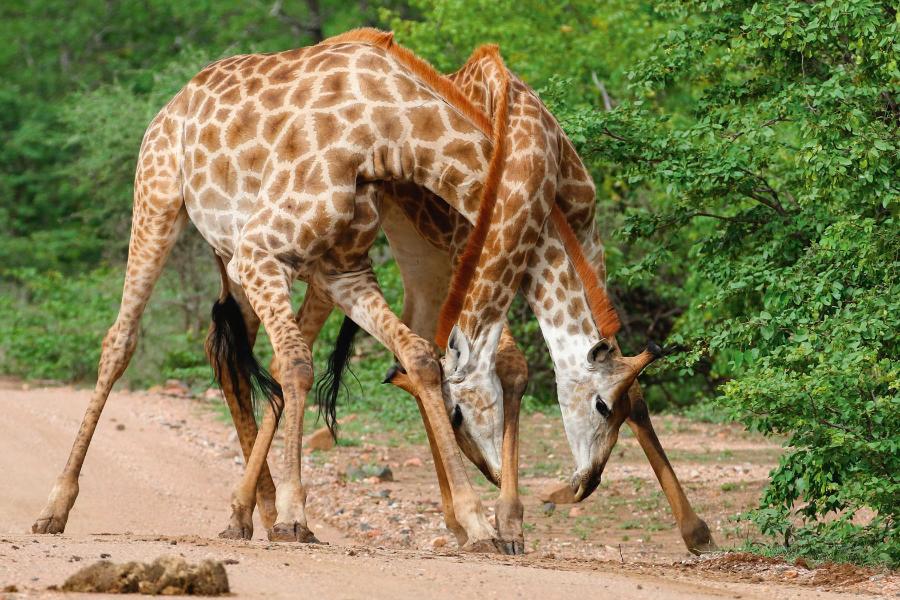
(512, 369)
(359, 296)
(694, 530)
(398, 377)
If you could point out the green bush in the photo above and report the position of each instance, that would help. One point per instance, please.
(757, 146)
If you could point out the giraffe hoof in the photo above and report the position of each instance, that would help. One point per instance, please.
(292, 532)
(513, 548)
(484, 547)
(49, 525)
(233, 532)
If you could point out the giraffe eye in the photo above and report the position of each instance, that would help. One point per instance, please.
(602, 408)
(456, 418)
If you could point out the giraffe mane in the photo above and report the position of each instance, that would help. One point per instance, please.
(464, 273)
(604, 314)
(602, 310)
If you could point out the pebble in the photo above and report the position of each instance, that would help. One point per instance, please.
(385, 474)
(549, 508)
(439, 542)
(415, 461)
(320, 439)
(576, 511)
(558, 493)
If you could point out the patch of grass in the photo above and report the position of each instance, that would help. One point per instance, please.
(584, 527)
(731, 486)
(630, 524)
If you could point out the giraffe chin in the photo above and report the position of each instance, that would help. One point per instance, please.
(491, 473)
(585, 481)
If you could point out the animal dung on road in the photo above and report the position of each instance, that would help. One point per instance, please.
(167, 575)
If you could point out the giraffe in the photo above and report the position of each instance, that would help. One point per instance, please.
(426, 276)
(272, 158)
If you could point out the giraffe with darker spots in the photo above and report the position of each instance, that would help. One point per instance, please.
(275, 160)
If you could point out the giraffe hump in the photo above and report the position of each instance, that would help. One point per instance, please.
(363, 35)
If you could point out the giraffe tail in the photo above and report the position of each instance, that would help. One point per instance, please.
(329, 386)
(231, 355)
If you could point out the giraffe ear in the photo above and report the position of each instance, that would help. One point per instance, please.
(457, 355)
(599, 352)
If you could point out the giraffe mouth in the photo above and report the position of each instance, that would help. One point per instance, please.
(584, 482)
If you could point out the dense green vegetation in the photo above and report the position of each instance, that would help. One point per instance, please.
(746, 156)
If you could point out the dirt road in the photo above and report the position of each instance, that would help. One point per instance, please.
(157, 481)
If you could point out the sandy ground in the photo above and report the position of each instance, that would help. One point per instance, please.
(158, 478)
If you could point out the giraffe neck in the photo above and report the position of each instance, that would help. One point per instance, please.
(526, 192)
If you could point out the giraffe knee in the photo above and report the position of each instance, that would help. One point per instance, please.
(424, 365)
(297, 369)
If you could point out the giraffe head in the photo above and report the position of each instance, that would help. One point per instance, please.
(594, 401)
(473, 397)
(579, 323)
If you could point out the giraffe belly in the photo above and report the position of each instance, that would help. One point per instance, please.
(220, 226)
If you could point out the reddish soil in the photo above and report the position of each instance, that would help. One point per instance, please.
(158, 478)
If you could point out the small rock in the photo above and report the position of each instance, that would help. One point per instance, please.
(385, 474)
(212, 394)
(11, 589)
(439, 542)
(549, 508)
(792, 574)
(558, 494)
(104, 555)
(120, 427)
(384, 493)
(415, 461)
(321, 439)
(175, 387)
(365, 527)
(576, 511)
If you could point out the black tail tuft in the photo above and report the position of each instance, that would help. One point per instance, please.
(230, 352)
(329, 386)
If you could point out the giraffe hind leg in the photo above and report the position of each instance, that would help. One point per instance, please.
(231, 338)
(159, 216)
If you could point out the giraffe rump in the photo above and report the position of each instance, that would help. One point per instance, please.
(231, 355)
(329, 386)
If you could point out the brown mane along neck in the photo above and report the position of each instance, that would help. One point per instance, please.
(602, 310)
